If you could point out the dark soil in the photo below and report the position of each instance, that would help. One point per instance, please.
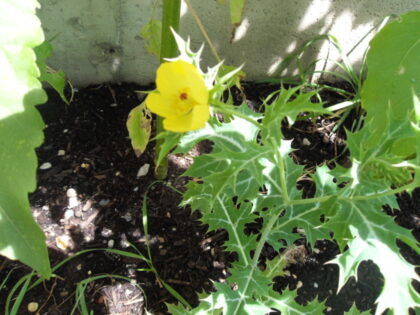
(87, 145)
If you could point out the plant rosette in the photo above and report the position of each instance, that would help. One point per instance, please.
(251, 175)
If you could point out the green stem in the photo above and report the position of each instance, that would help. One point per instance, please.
(228, 110)
(386, 193)
(168, 49)
(282, 174)
(264, 236)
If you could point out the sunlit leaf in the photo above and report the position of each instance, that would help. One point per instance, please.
(20, 133)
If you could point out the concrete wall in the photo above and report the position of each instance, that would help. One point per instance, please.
(97, 40)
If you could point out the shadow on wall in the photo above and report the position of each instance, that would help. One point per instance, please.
(271, 30)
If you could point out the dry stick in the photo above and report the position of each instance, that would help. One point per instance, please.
(203, 30)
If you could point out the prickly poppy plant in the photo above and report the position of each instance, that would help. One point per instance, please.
(251, 175)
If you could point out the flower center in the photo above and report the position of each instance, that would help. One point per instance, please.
(183, 96)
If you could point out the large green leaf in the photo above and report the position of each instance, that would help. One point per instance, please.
(20, 133)
(393, 74)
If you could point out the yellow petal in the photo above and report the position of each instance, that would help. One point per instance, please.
(175, 76)
(194, 120)
(161, 105)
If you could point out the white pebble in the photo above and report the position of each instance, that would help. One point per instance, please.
(111, 243)
(143, 170)
(65, 130)
(68, 214)
(106, 232)
(299, 284)
(306, 142)
(72, 195)
(127, 217)
(71, 192)
(315, 285)
(45, 166)
(104, 202)
(33, 307)
(61, 153)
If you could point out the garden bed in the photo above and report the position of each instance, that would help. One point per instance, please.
(87, 153)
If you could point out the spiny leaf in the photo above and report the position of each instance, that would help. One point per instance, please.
(225, 136)
(287, 305)
(254, 284)
(373, 235)
(275, 267)
(284, 106)
(354, 311)
(225, 215)
(306, 217)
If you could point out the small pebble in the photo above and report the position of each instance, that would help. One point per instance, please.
(113, 105)
(65, 130)
(45, 166)
(111, 243)
(316, 250)
(79, 267)
(68, 214)
(61, 153)
(135, 189)
(143, 170)
(33, 307)
(106, 232)
(299, 284)
(127, 217)
(104, 202)
(46, 208)
(71, 192)
(63, 242)
(315, 285)
(306, 142)
(72, 198)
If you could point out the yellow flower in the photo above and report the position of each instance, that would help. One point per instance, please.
(181, 97)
